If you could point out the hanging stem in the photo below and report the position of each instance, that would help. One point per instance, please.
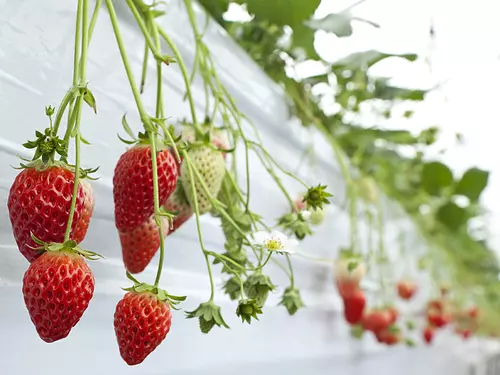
(292, 277)
(78, 107)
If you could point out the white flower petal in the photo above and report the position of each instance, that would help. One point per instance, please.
(261, 237)
(305, 215)
(278, 236)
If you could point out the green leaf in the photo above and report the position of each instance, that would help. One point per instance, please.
(452, 216)
(472, 184)
(364, 60)
(338, 23)
(283, 12)
(435, 177)
(303, 37)
(387, 92)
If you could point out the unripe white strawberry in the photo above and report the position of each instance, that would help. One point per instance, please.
(349, 270)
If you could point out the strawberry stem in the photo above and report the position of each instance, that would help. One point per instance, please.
(82, 73)
(292, 277)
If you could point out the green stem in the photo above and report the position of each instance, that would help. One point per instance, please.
(266, 261)
(156, 203)
(159, 76)
(292, 277)
(144, 67)
(198, 225)
(138, 18)
(78, 108)
(185, 76)
(128, 69)
(95, 15)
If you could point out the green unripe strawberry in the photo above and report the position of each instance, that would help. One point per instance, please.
(210, 165)
(317, 217)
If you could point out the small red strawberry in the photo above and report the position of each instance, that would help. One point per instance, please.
(388, 336)
(39, 204)
(406, 289)
(140, 245)
(428, 334)
(141, 322)
(57, 289)
(354, 307)
(133, 185)
(393, 314)
(347, 289)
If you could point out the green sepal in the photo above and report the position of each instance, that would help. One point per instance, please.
(357, 331)
(410, 325)
(394, 329)
(409, 343)
(46, 146)
(209, 316)
(257, 287)
(248, 309)
(88, 97)
(232, 288)
(162, 295)
(316, 197)
(295, 223)
(68, 246)
(291, 300)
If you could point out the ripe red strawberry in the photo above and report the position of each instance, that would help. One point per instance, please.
(140, 245)
(428, 334)
(83, 222)
(388, 337)
(406, 289)
(133, 185)
(177, 202)
(354, 307)
(39, 203)
(393, 314)
(347, 289)
(57, 289)
(141, 322)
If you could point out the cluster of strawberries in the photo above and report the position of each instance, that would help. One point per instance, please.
(59, 285)
(383, 322)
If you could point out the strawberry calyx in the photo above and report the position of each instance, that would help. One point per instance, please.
(295, 223)
(46, 146)
(161, 294)
(69, 246)
(209, 315)
(248, 309)
(316, 197)
(291, 300)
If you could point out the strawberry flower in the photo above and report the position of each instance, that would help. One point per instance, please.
(275, 241)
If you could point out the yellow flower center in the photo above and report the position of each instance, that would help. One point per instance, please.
(274, 244)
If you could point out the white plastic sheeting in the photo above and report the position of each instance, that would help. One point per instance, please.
(35, 70)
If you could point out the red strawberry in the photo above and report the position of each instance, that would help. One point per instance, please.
(57, 289)
(354, 307)
(406, 289)
(376, 320)
(39, 203)
(347, 289)
(88, 208)
(436, 319)
(178, 202)
(133, 185)
(428, 335)
(473, 312)
(140, 245)
(141, 322)
(388, 337)
(393, 315)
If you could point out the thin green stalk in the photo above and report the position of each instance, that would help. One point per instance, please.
(78, 108)
(138, 18)
(128, 69)
(156, 200)
(185, 75)
(144, 70)
(70, 95)
(159, 76)
(292, 277)
(265, 262)
(198, 225)
(277, 262)
(95, 16)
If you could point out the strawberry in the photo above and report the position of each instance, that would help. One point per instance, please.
(210, 165)
(347, 289)
(141, 322)
(354, 307)
(393, 314)
(88, 208)
(348, 278)
(133, 185)
(140, 244)
(473, 312)
(376, 320)
(178, 203)
(428, 334)
(39, 204)
(218, 138)
(388, 337)
(57, 289)
(406, 289)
